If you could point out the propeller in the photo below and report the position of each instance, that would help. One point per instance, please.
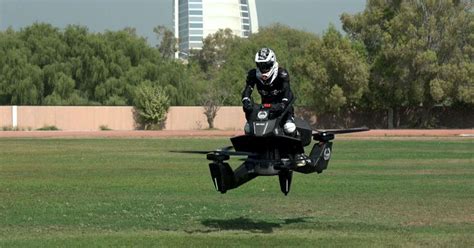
(340, 131)
(256, 160)
(224, 151)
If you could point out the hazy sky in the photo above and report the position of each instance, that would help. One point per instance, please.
(99, 15)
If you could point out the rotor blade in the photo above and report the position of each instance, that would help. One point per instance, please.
(192, 152)
(237, 153)
(234, 153)
(260, 160)
(226, 148)
(340, 131)
(269, 160)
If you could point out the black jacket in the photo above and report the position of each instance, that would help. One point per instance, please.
(277, 92)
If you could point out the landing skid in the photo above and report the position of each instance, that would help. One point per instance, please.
(224, 178)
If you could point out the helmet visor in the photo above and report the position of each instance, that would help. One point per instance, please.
(265, 67)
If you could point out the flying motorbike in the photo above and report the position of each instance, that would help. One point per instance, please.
(269, 151)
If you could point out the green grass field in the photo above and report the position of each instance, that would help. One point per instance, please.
(133, 192)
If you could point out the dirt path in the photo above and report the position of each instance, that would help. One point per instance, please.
(219, 133)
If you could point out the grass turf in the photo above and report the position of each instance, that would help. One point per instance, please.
(133, 192)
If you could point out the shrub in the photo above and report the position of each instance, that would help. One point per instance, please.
(11, 128)
(48, 128)
(150, 106)
(104, 128)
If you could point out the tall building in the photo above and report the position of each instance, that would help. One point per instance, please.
(194, 20)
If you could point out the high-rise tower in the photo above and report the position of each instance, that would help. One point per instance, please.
(196, 19)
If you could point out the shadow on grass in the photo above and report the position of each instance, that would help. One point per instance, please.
(244, 224)
(261, 226)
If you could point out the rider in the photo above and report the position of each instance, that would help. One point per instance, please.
(273, 84)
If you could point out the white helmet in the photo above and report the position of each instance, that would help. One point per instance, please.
(267, 66)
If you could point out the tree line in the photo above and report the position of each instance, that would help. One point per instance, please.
(404, 56)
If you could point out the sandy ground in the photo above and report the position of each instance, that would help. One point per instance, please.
(468, 133)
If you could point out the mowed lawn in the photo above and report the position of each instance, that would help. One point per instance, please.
(134, 192)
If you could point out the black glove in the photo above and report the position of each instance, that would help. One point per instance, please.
(248, 106)
(277, 108)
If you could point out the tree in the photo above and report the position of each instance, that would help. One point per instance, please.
(45, 43)
(111, 92)
(62, 89)
(185, 83)
(41, 64)
(421, 54)
(337, 73)
(212, 101)
(168, 42)
(151, 106)
(215, 49)
(20, 82)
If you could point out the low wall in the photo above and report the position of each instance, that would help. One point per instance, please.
(88, 118)
(193, 118)
(76, 118)
(5, 116)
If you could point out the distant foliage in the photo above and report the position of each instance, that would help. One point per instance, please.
(168, 43)
(420, 53)
(336, 74)
(43, 65)
(404, 58)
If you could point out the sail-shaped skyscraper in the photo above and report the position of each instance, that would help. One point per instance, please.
(196, 19)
